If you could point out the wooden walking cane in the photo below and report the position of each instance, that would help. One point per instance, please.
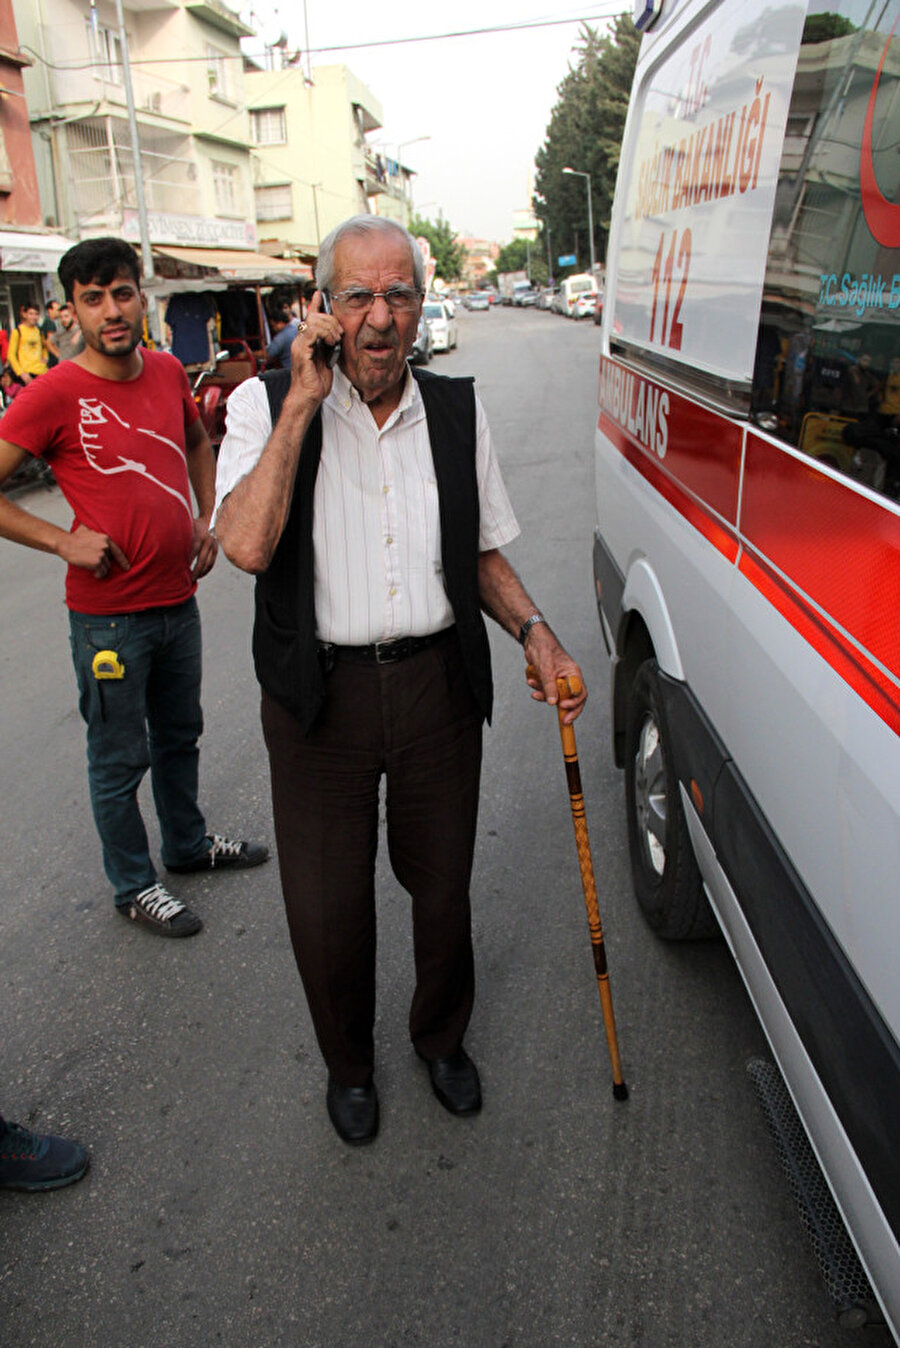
(571, 687)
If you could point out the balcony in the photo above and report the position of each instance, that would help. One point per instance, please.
(385, 176)
(154, 95)
(101, 169)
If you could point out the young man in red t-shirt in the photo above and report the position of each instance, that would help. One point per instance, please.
(121, 430)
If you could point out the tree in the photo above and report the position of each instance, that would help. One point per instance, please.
(448, 253)
(585, 133)
(520, 255)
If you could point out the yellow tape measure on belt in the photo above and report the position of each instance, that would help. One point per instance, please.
(107, 665)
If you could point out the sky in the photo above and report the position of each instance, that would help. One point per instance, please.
(484, 101)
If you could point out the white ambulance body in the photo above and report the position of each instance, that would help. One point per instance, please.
(747, 554)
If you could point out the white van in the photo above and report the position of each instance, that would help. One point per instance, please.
(571, 288)
(747, 552)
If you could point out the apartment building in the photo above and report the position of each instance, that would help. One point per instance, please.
(188, 83)
(27, 251)
(481, 258)
(313, 164)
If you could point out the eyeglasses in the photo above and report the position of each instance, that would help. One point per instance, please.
(399, 299)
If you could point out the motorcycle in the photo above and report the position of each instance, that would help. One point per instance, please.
(234, 363)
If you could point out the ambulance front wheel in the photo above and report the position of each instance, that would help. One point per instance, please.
(663, 868)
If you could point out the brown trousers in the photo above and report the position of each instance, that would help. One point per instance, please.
(417, 722)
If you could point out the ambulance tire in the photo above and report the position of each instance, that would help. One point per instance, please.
(664, 871)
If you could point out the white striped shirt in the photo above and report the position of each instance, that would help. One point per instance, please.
(376, 528)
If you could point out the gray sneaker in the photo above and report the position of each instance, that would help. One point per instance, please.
(31, 1162)
(158, 910)
(224, 854)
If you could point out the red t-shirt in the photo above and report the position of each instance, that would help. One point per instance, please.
(117, 452)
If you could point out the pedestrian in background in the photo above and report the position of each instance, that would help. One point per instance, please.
(284, 328)
(27, 354)
(69, 339)
(49, 330)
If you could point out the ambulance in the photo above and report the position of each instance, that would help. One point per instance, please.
(747, 549)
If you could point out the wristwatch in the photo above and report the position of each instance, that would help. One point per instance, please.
(528, 624)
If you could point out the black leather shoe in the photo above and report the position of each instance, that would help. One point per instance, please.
(353, 1110)
(455, 1082)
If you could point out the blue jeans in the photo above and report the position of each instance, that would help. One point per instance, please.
(150, 718)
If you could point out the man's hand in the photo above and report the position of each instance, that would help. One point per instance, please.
(93, 551)
(548, 662)
(204, 549)
(311, 349)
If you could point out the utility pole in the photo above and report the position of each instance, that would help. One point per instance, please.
(146, 251)
(578, 173)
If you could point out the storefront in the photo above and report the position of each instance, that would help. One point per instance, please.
(206, 297)
(28, 262)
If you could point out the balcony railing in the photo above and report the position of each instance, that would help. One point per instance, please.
(101, 170)
(384, 175)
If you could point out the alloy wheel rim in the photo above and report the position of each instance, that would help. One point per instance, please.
(650, 795)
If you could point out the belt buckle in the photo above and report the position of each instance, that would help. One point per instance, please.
(388, 652)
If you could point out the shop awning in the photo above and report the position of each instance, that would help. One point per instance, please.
(234, 264)
(24, 251)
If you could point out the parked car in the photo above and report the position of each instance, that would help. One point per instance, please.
(525, 297)
(585, 305)
(598, 310)
(423, 346)
(440, 320)
(478, 300)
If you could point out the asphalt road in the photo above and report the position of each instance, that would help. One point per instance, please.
(220, 1208)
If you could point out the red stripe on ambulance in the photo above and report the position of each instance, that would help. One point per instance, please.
(826, 556)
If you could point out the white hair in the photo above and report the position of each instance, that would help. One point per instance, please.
(361, 225)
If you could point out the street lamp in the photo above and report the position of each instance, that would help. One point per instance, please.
(587, 177)
(400, 148)
(403, 144)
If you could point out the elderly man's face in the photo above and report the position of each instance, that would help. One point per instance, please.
(376, 341)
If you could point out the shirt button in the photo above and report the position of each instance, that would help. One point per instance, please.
(389, 539)
(392, 590)
(385, 489)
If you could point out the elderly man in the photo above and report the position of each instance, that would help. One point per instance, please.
(368, 501)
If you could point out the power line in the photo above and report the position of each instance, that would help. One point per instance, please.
(615, 7)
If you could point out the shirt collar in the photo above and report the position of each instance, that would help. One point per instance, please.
(344, 395)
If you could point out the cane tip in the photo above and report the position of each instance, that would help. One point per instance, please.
(620, 1090)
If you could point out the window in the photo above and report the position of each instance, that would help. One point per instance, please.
(106, 52)
(827, 370)
(227, 187)
(274, 203)
(268, 127)
(218, 68)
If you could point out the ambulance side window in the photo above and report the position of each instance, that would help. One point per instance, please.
(827, 370)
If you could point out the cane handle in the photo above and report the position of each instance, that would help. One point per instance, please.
(568, 685)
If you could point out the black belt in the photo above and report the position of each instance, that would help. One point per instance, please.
(383, 652)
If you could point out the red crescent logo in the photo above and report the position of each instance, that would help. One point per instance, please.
(882, 216)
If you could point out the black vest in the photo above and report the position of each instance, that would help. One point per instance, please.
(285, 650)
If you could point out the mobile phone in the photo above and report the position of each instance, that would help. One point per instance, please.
(332, 353)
